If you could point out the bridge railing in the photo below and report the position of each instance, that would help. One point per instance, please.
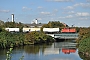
(66, 36)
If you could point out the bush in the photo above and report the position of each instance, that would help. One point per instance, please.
(36, 37)
(7, 38)
(84, 45)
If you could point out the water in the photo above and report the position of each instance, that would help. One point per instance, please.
(54, 51)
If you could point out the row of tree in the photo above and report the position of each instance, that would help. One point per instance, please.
(50, 24)
(8, 39)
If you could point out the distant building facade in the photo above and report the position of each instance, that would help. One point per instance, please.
(12, 29)
(31, 29)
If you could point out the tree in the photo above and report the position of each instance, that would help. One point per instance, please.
(53, 24)
(1, 22)
(29, 38)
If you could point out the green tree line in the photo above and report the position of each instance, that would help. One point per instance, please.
(84, 42)
(16, 39)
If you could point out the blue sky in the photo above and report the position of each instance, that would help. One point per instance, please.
(71, 12)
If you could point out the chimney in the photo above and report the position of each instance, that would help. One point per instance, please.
(36, 21)
(12, 17)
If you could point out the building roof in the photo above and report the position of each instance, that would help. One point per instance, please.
(38, 25)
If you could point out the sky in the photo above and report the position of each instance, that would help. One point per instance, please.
(71, 12)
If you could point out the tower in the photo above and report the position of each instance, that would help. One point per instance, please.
(12, 17)
(36, 21)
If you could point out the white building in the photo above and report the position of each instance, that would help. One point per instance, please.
(12, 29)
(30, 29)
(50, 29)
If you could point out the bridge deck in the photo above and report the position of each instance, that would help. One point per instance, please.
(66, 36)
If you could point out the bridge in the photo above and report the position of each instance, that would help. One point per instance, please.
(66, 33)
(66, 36)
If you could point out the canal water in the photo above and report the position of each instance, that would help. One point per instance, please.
(54, 51)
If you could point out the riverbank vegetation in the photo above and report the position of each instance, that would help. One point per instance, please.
(84, 41)
(37, 37)
(7, 39)
(16, 39)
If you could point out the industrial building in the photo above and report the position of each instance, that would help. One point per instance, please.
(12, 29)
(51, 30)
(31, 29)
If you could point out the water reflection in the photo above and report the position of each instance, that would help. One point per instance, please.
(3, 54)
(68, 51)
(31, 49)
(54, 51)
(66, 47)
(51, 50)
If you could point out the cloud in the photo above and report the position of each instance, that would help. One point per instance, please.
(88, 0)
(39, 7)
(69, 16)
(61, 17)
(26, 8)
(45, 13)
(68, 12)
(61, 0)
(69, 7)
(83, 18)
(39, 18)
(55, 10)
(71, 12)
(5, 11)
(84, 5)
(83, 14)
(66, 17)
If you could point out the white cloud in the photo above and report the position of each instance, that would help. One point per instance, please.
(61, 17)
(71, 12)
(83, 14)
(76, 5)
(69, 7)
(68, 12)
(61, 0)
(5, 11)
(45, 13)
(52, 15)
(66, 17)
(39, 7)
(39, 18)
(85, 5)
(83, 18)
(69, 16)
(26, 8)
(55, 10)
